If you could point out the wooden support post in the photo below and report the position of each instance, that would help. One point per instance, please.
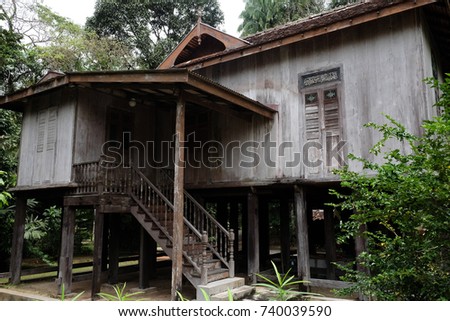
(285, 238)
(264, 229)
(252, 237)
(97, 258)
(222, 217)
(361, 246)
(330, 244)
(234, 222)
(113, 258)
(302, 234)
(153, 257)
(105, 244)
(17, 241)
(145, 259)
(222, 212)
(66, 254)
(178, 224)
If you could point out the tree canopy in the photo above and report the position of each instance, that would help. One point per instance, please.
(260, 15)
(405, 207)
(151, 29)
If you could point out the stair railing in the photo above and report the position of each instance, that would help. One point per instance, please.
(148, 196)
(220, 241)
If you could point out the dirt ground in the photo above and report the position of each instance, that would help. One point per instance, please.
(159, 289)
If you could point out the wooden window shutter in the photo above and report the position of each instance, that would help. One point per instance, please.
(331, 109)
(42, 121)
(51, 128)
(312, 116)
(47, 127)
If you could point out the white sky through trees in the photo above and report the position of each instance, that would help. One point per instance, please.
(79, 10)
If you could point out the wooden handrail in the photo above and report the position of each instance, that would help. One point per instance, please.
(200, 207)
(225, 243)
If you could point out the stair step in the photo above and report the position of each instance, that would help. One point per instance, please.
(211, 264)
(214, 275)
(237, 293)
(157, 207)
(219, 287)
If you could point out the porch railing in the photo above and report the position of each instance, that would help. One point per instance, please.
(101, 177)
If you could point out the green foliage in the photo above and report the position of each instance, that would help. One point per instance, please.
(73, 48)
(120, 294)
(63, 294)
(405, 204)
(18, 65)
(151, 29)
(42, 233)
(283, 287)
(6, 221)
(260, 15)
(340, 3)
(4, 195)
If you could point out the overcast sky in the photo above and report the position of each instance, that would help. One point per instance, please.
(78, 10)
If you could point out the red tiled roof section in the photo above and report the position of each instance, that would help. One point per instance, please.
(320, 20)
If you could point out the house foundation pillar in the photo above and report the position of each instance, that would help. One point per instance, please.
(15, 267)
(303, 266)
(66, 254)
(98, 249)
(252, 237)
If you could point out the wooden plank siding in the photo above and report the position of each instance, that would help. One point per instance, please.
(49, 161)
(382, 64)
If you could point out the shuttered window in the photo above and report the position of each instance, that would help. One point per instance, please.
(322, 123)
(321, 112)
(47, 127)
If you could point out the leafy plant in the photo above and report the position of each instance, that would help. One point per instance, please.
(63, 294)
(120, 294)
(403, 204)
(283, 287)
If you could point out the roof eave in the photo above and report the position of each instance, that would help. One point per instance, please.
(255, 48)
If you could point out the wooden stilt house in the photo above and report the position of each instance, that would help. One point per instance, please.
(224, 155)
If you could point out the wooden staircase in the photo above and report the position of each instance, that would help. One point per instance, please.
(208, 258)
(208, 246)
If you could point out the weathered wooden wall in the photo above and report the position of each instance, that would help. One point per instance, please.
(92, 126)
(51, 164)
(383, 64)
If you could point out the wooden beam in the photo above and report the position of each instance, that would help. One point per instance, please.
(252, 237)
(285, 238)
(66, 254)
(113, 253)
(303, 267)
(178, 223)
(234, 223)
(231, 97)
(222, 109)
(145, 259)
(105, 243)
(360, 246)
(330, 244)
(264, 230)
(97, 257)
(17, 242)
